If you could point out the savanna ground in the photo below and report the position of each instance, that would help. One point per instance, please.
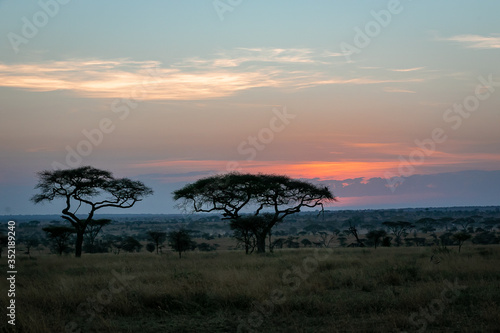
(292, 290)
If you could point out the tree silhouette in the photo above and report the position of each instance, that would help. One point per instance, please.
(376, 236)
(461, 237)
(150, 247)
(130, 244)
(205, 247)
(325, 238)
(158, 238)
(59, 237)
(245, 229)
(93, 229)
(291, 242)
(465, 223)
(446, 239)
(278, 243)
(30, 242)
(87, 185)
(486, 237)
(180, 241)
(399, 229)
(444, 222)
(306, 242)
(4, 240)
(354, 231)
(232, 192)
(426, 224)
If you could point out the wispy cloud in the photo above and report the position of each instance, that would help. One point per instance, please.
(477, 41)
(398, 90)
(309, 169)
(248, 56)
(359, 160)
(111, 79)
(222, 75)
(407, 69)
(370, 144)
(40, 149)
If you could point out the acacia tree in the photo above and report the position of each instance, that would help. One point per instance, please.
(158, 238)
(445, 222)
(180, 241)
(59, 237)
(87, 185)
(465, 223)
(325, 238)
(130, 244)
(461, 237)
(376, 236)
(426, 224)
(231, 193)
(354, 231)
(399, 229)
(30, 242)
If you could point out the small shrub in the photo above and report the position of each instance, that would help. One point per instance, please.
(150, 247)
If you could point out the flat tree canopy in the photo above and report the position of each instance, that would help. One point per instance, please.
(277, 195)
(180, 241)
(399, 229)
(90, 186)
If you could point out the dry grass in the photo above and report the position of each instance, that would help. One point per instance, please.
(349, 290)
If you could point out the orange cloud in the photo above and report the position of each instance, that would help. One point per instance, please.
(321, 170)
(327, 170)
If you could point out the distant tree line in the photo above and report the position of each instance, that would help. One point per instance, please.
(423, 232)
(268, 200)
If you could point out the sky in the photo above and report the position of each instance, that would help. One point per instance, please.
(389, 103)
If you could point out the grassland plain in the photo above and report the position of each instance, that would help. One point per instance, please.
(292, 290)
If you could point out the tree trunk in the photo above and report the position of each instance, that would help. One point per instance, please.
(270, 243)
(261, 242)
(354, 231)
(79, 243)
(247, 240)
